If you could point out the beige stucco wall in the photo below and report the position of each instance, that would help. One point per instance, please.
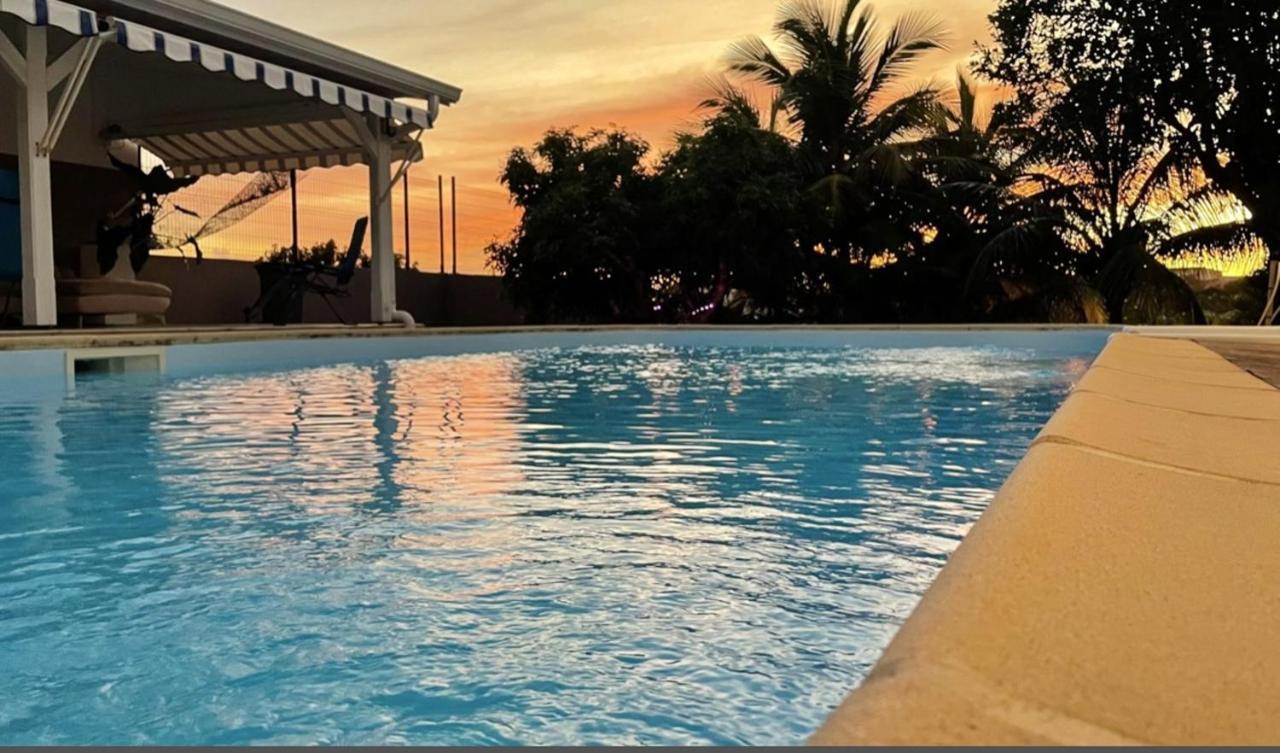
(217, 292)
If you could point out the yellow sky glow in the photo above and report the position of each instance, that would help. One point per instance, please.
(528, 65)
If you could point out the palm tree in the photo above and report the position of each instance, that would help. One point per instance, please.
(971, 159)
(835, 81)
(963, 144)
(726, 98)
(1118, 193)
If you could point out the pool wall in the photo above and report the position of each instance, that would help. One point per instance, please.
(1121, 588)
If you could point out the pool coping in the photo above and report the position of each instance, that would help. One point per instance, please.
(1120, 588)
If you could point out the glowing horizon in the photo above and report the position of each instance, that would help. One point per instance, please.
(526, 67)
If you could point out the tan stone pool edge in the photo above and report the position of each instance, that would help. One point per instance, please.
(1121, 588)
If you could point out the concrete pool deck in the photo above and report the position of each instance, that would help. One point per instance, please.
(1121, 589)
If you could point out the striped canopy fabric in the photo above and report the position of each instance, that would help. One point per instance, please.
(298, 145)
(54, 13)
(140, 38)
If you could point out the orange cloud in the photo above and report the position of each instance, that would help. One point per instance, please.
(529, 66)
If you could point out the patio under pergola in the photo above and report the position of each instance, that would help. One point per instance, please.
(208, 91)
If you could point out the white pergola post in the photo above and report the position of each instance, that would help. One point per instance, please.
(383, 269)
(37, 135)
(39, 295)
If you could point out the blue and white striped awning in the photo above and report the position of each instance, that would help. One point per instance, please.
(69, 18)
(140, 38)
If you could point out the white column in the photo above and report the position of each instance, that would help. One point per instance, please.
(383, 268)
(39, 296)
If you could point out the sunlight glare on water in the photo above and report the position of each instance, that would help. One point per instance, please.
(630, 544)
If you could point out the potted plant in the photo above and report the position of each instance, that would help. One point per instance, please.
(126, 239)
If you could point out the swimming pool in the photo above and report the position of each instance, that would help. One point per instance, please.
(575, 538)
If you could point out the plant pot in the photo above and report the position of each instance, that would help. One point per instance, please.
(282, 299)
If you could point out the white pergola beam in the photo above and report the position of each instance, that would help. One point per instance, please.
(66, 62)
(13, 60)
(364, 133)
(39, 294)
(83, 53)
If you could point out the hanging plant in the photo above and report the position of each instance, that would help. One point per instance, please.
(135, 222)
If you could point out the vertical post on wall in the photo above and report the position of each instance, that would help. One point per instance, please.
(39, 296)
(440, 204)
(383, 267)
(453, 207)
(293, 205)
(1273, 285)
(406, 219)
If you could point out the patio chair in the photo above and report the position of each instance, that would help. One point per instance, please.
(299, 279)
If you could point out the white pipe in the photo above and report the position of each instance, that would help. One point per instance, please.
(404, 317)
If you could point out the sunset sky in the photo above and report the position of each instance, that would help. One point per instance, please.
(527, 65)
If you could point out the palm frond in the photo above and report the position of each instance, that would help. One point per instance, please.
(1177, 163)
(979, 192)
(1143, 291)
(804, 29)
(753, 57)
(844, 32)
(915, 111)
(1224, 239)
(954, 168)
(1016, 247)
(726, 98)
(910, 37)
(1202, 205)
(968, 96)
(885, 163)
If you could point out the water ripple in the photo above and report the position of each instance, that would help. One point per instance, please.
(630, 544)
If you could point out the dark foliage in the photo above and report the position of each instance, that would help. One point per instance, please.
(732, 209)
(1135, 132)
(584, 250)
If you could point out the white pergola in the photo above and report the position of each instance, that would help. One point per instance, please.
(82, 75)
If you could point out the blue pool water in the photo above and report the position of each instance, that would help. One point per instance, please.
(640, 543)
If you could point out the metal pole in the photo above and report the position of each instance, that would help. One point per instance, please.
(453, 205)
(406, 220)
(440, 194)
(293, 199)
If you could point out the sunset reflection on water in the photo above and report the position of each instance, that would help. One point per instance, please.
(619, 544)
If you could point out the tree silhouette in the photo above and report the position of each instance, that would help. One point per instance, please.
(733, 213)
(1132, 132)
(1208, 71)
(582, 250)
(836, 80)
